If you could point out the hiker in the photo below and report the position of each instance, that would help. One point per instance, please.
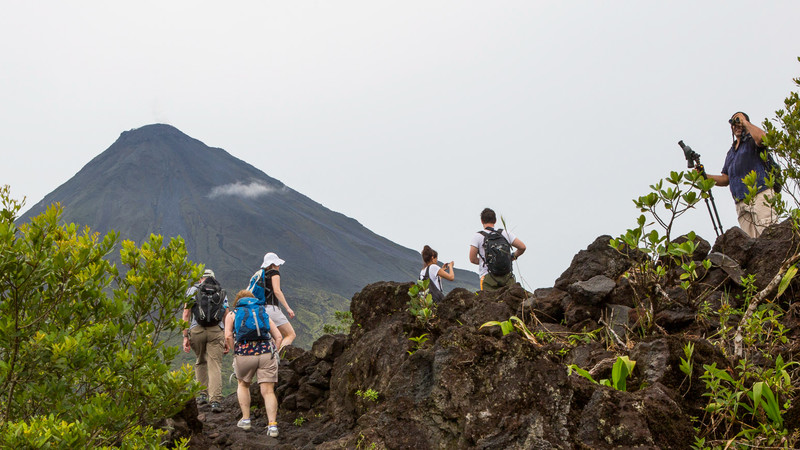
(431, 259)
(743, 157)
(254, 354)
(491, 250)
(205, 336)
(266, 285)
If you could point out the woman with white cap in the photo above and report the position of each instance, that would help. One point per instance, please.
(266, 284)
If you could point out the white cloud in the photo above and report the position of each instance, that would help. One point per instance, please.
(252, 190)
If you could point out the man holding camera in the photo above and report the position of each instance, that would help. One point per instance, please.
(744, 157)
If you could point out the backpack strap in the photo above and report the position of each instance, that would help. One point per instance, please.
(269, 295)
(264, 282)
(431, 278)
(485, 235)
(427, 275)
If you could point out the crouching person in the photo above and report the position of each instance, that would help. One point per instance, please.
(254, 338)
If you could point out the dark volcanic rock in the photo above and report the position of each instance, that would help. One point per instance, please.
(645, 419)
(466, 385)
(548, 304)
(598, 259)
(762, 256)
(592, 291)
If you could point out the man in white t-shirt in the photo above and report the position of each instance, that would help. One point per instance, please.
(477, 254)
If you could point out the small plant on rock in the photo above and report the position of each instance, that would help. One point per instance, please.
(513, 323)
(744, 404)
(344, 320)
(418, 341)
(687, 365)
(421, 304)
(369, 395)
(619, 373)
(654, 254)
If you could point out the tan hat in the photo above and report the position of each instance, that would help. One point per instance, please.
(208, 273)
(271, 258)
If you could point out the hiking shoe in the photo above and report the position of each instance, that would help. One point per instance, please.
(202, 399)
(272, 430)
(216, 407)
(244, 424)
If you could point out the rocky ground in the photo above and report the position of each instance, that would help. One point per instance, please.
(473, 387)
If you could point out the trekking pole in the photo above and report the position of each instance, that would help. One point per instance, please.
(692, 160)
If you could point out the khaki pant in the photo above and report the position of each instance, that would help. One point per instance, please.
(208, 344)
(756, 216)
(490, 282)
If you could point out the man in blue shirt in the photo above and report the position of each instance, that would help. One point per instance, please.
(744, 157)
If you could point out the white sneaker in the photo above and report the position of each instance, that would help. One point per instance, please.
(272, 431)
(244, 424)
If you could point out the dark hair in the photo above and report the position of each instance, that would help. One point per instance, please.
(733, 135)
(488, 216)
(428, 254)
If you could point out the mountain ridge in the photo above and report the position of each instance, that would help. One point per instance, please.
(156, 179)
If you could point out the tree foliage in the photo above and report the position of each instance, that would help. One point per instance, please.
(83, 361)
(783, 138)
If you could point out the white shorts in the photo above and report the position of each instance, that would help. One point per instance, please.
(276, 315)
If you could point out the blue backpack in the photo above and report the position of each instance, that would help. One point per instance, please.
(251, 321)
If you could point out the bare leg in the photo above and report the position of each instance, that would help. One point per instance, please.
(243, 394)
(270, 401)
(287, 331)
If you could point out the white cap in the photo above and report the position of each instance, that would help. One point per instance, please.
(208, 273)
(271, 258)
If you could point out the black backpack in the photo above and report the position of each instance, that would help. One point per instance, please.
(497, 252)
(209, 299)
(269, 295)
(436, 294)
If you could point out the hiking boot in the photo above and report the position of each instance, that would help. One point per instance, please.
(272, 430)
(216, 407)
(244, 424)
(202, 399)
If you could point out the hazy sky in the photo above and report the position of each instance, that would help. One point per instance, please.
(410, 117)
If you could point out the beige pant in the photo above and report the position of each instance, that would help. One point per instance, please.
(756, 216)
(208, 344)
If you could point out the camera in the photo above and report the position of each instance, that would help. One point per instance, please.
(692, 156)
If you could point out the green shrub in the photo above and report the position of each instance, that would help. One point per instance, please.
(421, 304)
(84, 363)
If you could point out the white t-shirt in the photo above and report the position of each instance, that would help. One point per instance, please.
(477, 242)
(433, 275)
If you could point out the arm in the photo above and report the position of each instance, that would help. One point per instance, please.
(226, 348)
(229, 331)
(445, 274)
(756, 132)
(276, 334)
(276, 287)
(473, 255)
(187, 315)
(720, 180)
(520, 246)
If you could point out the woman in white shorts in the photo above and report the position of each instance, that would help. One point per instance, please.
(266, 284)
(254, 358)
